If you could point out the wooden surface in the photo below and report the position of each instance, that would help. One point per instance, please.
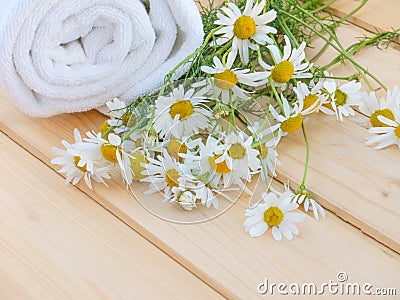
(63, 242)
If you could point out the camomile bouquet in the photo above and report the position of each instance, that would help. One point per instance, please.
(217, 129)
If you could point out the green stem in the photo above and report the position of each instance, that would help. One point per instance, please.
(326, 5)
(278, 99)
(337, 47)
(353, 12)
(303, 182)
(132, 130)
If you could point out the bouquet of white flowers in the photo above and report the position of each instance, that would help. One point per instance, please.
(202, 140)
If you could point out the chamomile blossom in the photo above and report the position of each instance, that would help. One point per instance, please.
(310, 96)
(209, 195)
(291, 117)
(388, 135)
(121, 119)
(181, 113)
(163, 173)
(147, 140)
(205, 163)
(77, 166)
(183, 196)
(372, 107)
(186, 199)
(112, 150)
(304, 198)
(289, 65)
(244, 27)
(225, 81)
(178, 147)
(240, 156)
(276, 212)
(342, 98)
(267, 150)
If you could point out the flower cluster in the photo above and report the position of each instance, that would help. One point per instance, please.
(197, 141)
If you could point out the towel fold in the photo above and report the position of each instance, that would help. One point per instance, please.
(60, 56)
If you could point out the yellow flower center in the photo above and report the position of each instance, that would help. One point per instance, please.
(171, 177)
(175, 147)
(136, 161)
(77, 159)
(273, 216)
(340, 97)
(104, 128)
(221, 168)
(138, 143)
(283, 71)
(183, 108)
(244, 27)
(292, 124)
(129, 119)
(226, 80)
(397, 131)
(263, 151)
(237, 151)
(109, 152)
(309, 101)
(387, 113)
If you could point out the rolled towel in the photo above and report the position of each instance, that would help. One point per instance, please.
(60, 56)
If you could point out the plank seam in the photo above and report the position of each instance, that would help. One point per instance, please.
(150, 240)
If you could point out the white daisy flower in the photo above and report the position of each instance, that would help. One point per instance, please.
(183, 196)
(186, 199)
(372, 107)
(311, 97)
(276, 212)
(288, 66)
(205, 163)
(241, 28)
(394, 95)
(267, 150)
(240, 156)
(116, 108)
(291, 117)
(163, 174)
(209, 195)
(147, 140)
(123, 151)
(309, 204)
(341, 99)
(181, 114)
(178, 147)
(121, 118)
(206, 195)
(113, 150)
(388, 135)
(77, 166)
(225, 80)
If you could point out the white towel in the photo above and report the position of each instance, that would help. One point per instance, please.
(59, 56)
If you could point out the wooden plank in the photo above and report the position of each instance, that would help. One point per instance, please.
(219, 251)
(363, 186)
(56, 243)
(376, 15)
(354, 181)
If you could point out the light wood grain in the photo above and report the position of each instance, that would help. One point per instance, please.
(376, 15)
(356, 182)
(219, 251)
(56, 243)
